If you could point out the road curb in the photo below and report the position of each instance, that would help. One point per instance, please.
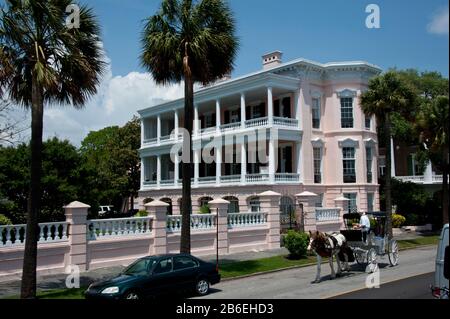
(302, 266)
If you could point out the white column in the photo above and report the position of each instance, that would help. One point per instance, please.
(195, 120)
(297, 107)
(218, 120)
(392, 157)
(158, 171)
(243, 119)
(143, 169)
(196, 165)
(218, 164)
(428, 174)
(142, 132)
(176, 174)
(298, 164)
(243, 162)
(176, 124)
(158, 128)
(272, 163)
(270, 105)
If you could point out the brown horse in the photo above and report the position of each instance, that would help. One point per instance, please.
(329, 246)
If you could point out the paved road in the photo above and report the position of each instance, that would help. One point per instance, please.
(296, 283)
(416, 287)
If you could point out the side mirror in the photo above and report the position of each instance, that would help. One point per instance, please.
(446, 263)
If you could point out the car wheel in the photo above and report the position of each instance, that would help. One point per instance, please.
(132, 295)
(202, 287)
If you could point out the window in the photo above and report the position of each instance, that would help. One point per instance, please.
(233, 207)
(184, 263)
(346, 112)
(370, 198)
(352, 207)
(254, 204)
(317, 153)
(316, 113)
(140, 268)
(369, 164)
(367, 122)
(204, 206)
(319, 202)
(164, 266)
(349, 172)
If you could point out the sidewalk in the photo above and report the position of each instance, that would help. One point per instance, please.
(50, 282)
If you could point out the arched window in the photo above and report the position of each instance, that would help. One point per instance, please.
(233, 207)
(168, 201)
(148, 200)
(254, 204)
(203, 204)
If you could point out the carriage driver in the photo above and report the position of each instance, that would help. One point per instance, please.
(364, 225)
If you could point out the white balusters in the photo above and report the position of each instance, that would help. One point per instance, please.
(327, 214)
(198, 222)
(118, 227)
(14, 235)
(236, 220)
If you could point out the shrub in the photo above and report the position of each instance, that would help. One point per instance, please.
(4, 220)
(141, 213)
(296, 243)
(205, 209)
(373, 223)
(412, 219)
(398, 220)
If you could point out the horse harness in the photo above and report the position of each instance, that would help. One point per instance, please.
(325, 247)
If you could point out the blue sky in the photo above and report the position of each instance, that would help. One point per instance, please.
(325, 30)
(413, 34)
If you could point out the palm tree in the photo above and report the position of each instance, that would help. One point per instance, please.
(433, 125)
(387, 94)
(192, 41)
(44, 61)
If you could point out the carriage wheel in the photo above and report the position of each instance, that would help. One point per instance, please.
(360, 257)
(372, 265)
(393, 252)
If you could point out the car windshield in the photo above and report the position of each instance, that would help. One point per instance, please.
(140, 267)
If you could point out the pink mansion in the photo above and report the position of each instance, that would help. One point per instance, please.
(323, 144)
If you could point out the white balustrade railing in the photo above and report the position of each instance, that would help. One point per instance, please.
(167, 182)
(207, 180)
(230, 179)
(117, 227)
(327, 214)
(207, 130)
(246, 219)
(261, 121)
(152, 140)
(287, 177)
(254, 178)
(230, 126)
(165, 138)
(14, 235)
(198, 222)
(414, 179)
(284, 121)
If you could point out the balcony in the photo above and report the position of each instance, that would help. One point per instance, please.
(421, 179)
(261, 122)
(227, 180)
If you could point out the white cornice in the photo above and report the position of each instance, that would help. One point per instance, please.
(347, 93)
(348, 142)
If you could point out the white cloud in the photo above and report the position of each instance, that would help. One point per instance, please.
(439, 22)
(117, 100)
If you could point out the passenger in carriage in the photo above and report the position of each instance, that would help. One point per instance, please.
(364, 226)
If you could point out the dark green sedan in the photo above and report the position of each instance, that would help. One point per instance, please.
(154, 275)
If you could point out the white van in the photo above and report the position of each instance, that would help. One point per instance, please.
(440, 288)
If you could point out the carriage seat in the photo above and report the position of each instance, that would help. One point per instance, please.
(352, 234)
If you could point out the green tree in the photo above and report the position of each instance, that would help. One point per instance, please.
(386, 94)
(192, 41)
(43, 61)
(433, 125)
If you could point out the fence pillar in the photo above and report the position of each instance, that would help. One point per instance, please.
(342, 203)
(76, 215)
(308, 200)
(219, 207)
(158, 211)
(270, 204)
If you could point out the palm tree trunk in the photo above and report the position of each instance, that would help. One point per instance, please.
(445, 190)
(28, 289)
(387, 184)
(187, 168)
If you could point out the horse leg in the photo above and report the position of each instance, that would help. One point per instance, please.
(319, 262)
(346, 266)
(330, 261)
(339, 269)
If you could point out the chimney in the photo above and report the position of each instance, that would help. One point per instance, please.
(271, 60)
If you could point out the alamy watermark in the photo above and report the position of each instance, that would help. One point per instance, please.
(73, 276)
(373, 20)
(73, 19)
